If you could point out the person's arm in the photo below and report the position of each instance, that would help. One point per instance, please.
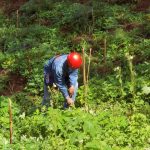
(73, 77)
(60, 82)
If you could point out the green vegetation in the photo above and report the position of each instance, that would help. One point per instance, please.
(112, 111)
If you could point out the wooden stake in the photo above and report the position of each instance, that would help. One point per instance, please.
(84, 72)
(17, 17)
(10, 120)
(104, 52)
(84, 78)
(88, 71)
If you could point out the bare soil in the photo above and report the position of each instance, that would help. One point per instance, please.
(143, 5)
(15, 83)
(10, 6)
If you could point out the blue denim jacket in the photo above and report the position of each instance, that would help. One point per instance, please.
(58, 70)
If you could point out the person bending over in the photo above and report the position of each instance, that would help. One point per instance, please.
(62, 70)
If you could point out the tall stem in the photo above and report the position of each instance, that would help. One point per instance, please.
(84, 70)
(121, 83)
(17, 18)
(84, 78)
(132, 78)
(104, 52)
(132, 74)
(88, 71)
(10, 121)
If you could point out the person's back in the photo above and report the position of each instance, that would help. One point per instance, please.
(55, 65)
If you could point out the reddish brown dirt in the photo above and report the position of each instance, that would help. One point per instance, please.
(143, 5)
(11, 6)
(103, 70)
(45, 22)
(2, 3)
(131, 26)
(16, 83)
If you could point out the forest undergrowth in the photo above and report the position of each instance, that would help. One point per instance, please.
(112, 110)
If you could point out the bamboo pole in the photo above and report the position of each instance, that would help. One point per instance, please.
(17, 18)
(10, 120)
(88, 71)
(84, 77)
(84, 71)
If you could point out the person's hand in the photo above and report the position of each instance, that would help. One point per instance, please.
(70, 102)
(71, 90)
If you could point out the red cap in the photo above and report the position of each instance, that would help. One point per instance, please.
(74, 60)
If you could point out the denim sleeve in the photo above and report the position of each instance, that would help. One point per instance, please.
(73, 77)
(60, 82)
